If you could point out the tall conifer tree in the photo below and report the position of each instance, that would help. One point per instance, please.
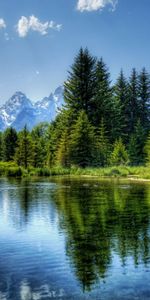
(79, 89)
(102, 100)
(82, 145)
(136, 145)
(9, 144)
(121, 91)
(24, 152)
(102, 146)
(144, 99)
(133, 104)
(1, 146)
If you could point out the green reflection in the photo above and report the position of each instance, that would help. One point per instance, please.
(102, 218)
(99, 219)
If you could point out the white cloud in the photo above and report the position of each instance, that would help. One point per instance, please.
(23, 27)
(2, 24)
(32, 23)
(93, 5)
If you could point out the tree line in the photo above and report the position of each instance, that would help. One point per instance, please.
(100, 124)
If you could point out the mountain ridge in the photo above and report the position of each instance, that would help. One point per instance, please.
(20, 110)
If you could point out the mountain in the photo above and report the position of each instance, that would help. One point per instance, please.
(19, 110)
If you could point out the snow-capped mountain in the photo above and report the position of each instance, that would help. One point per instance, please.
(19, 110)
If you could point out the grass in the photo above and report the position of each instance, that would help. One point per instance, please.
(10, 169)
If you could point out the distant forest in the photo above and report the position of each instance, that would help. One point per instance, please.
(100, 124)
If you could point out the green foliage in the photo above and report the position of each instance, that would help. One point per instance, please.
(133, 103)
(9, 144)
(144, 99)
(147, 150)
(63, 153)
(119, 155)
(82, 145)
(1, 146)
(136, 145)
(14, 172)
(121, 94)
(80, 85)
(102, 146)
(101, 103)
(24, 152)
(39, 139)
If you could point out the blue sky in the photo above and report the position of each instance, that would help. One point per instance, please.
(39, 39)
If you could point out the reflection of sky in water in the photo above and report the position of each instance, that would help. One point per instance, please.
(44, 227)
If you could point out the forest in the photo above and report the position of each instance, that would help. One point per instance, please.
(101, 124)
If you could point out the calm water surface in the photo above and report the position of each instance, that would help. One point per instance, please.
(74, 239)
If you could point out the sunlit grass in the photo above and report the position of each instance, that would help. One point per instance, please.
(10, 169)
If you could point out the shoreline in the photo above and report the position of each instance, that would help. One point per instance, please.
(138, 173)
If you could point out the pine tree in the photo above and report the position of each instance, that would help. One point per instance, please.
(9, 144)
(115, 121)
(136, 145)
(39, 137)
(24, 152)
(144, 99)
(147, 151)
(1, 146)
(119, 155)
(133, 104)
(82, 145)
(102, 146)
(121, 92)
(39, 153)
(63, 151)
(52, 145)
(101, 103)
(132, 150)
(79, 89)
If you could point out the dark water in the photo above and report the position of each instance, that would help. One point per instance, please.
(74, 239)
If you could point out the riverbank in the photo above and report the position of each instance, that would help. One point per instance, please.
(12, 170)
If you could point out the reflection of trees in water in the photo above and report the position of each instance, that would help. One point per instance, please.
(15, 202)
(98, 220)
(30, 199)
(22, 199)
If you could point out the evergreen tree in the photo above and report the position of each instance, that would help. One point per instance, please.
(115, 121)
(136, 145)
(39, 153)
(9, 144)
(132, 150)
(121, 91)
(101, 103)
(79, 89)
(39, 137)
(133, 104)
(147, 150)
(63, 151)
(144, 99)
(24, 152)
(82, 142)
(102, 146)
(62, 124)
(119, 155)
(51, 146)
(1, 146)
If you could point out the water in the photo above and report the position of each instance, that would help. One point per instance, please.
(74, 239)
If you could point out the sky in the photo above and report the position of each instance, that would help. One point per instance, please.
(39, 39)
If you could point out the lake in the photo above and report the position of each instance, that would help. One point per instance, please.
(64, 238)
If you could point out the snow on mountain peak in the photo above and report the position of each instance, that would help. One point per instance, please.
(19, 110)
